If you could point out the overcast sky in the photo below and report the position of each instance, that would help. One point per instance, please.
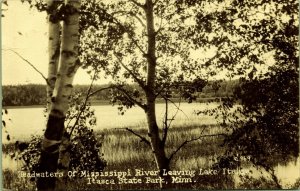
(25, 31)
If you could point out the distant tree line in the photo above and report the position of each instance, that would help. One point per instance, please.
(21, 95)
(35, 94)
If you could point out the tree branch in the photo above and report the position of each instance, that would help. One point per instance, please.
(131, 14)
(194, 139)
(167, 126)
(118, 87)
(88, 95)
(30, 64)
(139, 81)
(116, 21)
(130, 98)
(176, 106)
(161, 16)
(129, 35)
(143, 139)
(101, 89)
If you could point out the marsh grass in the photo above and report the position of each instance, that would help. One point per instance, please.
(12, 181)
(122, 150)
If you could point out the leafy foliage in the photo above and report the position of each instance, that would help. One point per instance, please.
(4, 118)
(118, 48)
(270, 131)
(265, 125)
(84, 148)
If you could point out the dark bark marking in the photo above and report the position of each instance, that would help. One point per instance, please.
(48, 163)
(71, 70)
(68, 53)
(49, 158)
(69, 86)
(53, 99)
(56, 54)
(55, 126)
(53, 79)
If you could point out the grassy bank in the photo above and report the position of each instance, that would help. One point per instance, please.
(122, 150)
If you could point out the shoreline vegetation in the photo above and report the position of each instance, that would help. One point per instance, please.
(106, 102)
(35, 94)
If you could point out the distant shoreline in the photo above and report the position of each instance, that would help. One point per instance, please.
(106, 102)
(43, 106)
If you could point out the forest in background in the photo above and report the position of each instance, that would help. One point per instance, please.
(35, 94)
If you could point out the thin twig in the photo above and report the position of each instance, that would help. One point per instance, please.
(114, 20)
(194, 139)
(101, 89)
(30, 64)
(119, 87)
(173, 117)
(166, 127)
(141, 105)
(84, 103)
(161, 17)
(176, 106)
(130, 36)
(143, 139)
(139, 81)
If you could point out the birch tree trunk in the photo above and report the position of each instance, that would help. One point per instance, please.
(53, 51)
(157, 145)
(68, 65)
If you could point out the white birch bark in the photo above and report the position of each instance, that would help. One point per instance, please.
(68, 65)
(53, 52)
(69, 62)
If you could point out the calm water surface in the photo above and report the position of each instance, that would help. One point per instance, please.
(27, 121)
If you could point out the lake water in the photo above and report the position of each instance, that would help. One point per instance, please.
(27, 121)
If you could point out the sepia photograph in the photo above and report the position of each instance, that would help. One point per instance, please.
(149, 95)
